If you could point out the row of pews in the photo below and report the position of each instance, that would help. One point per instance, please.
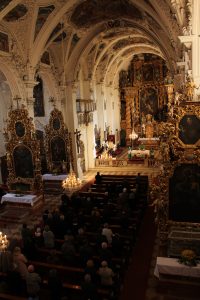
(100, 195)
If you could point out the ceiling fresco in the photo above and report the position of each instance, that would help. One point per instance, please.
(43, 14)
(4, 3)
(91, 12)
(16, 13)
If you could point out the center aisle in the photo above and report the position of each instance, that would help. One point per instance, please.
(136, 278)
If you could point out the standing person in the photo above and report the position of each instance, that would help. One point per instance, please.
(98, 178)
(33, 282)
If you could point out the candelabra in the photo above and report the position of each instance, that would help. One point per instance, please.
(3, 242)
(71, 182)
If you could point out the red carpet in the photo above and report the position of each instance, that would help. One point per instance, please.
(136, 278)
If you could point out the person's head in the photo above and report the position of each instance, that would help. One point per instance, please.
(46, 228)
(38, 230)
(90, 263)
(31, 269)
(53, 273)
(17, 250)
(104, 245)
(104, 264)
(87, 278)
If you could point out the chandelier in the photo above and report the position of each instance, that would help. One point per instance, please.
(71, 182)
(133, 136)
(3, 242)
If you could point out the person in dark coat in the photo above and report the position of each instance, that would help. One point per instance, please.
(89, 289)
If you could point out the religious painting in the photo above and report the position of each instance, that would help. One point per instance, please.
(43, 14)
(189, 129)
(58, 151)
(16, 13)
(147, 72)
(4, 43)
(23, 162)
(184, 194)
(19, 129)
(39, 99)
(56, 124)
(45, 59)
(148, 101)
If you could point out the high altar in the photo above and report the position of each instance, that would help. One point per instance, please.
(145, 92)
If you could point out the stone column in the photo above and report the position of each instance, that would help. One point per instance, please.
(69, 111)
(29, 85)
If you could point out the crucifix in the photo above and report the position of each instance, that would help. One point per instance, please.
(78, 135)
(17, 99)
(53, 101)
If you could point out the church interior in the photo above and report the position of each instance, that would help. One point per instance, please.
(100, 149)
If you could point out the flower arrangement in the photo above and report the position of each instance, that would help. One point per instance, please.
(188, 258)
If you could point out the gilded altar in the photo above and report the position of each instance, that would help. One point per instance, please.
(145, 91)
(22, 152)
(176, 193)
(58, 144)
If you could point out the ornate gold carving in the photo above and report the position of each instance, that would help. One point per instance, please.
(183, 154)
(21, 139)
(56, 132)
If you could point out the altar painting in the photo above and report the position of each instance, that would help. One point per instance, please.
(184, 194)
(189, 129)
(58, 151)
(23, 162)
(148, 101)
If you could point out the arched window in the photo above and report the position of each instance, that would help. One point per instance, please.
(39, 99)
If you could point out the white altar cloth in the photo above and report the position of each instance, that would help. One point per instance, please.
(171, 266)
(140, 153)
(54, 177)
(28, 199)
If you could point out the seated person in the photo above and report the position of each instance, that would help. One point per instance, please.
(106, 274)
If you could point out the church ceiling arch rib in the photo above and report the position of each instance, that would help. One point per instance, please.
(127, 53)
(6, 6)
(150, 38)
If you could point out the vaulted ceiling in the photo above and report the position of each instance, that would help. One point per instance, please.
(99, 36)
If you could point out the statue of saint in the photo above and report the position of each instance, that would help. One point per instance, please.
(190, 86)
